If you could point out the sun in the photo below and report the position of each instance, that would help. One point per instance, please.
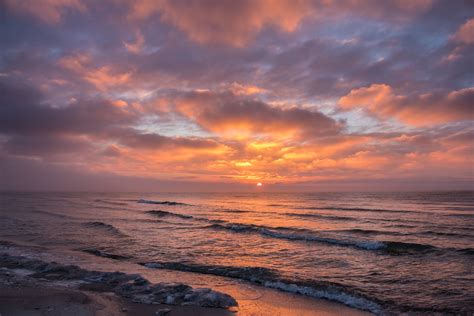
(259, 184)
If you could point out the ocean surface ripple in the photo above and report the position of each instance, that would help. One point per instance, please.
(381, 252)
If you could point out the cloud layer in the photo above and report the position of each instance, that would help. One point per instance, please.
(294, 94)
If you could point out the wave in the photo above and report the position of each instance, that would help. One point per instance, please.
(233, 211)
(54, 214)
(105, 227)
(392, 233)
(104, 254)
(369, 232)
(272, 279)
(161, 213)
(301, 234)
(330, 217)
(461, 215)
(245, 273)
(359, 209)
(394, 247)
(467, 251)
(110, 202)
(439, 233)
(161, 202)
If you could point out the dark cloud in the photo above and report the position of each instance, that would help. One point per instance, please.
(47, 146)
(22, 111)
(139, 140)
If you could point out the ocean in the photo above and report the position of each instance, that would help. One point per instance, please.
(380, 252)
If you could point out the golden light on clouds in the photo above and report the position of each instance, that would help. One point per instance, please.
(295, 93)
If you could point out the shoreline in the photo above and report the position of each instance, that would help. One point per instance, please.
(36, 299)
(252, 299)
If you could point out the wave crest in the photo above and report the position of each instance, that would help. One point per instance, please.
(105, 227)
(393, 247)
(173, 203)
(161, 213)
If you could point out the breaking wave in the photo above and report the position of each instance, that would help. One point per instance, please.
(306, 235)
(161, 202)
(160, 213)
(272, 279)
(295, 234)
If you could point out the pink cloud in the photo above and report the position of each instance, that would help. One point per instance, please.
(431, 108)
(229, 22)
(465, 33)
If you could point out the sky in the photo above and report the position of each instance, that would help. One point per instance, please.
(219, 95)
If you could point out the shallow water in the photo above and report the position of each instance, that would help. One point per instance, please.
(382, 252)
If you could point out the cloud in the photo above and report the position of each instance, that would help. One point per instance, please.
(236, 116)
(24, 111)
(424, 109)
(238, 91)
(48, 11)
(102, 77)
(236, 23)
(230, 22)
(241, 89)
(149, 141)
(66, 146)
(137, 46)
(465, 33)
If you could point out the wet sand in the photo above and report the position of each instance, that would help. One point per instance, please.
(36, 301)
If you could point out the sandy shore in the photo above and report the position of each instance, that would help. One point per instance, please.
(32, 301)
(36, 301)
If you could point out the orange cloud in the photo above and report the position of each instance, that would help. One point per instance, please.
(431, 108)
(102, 78)
(238, 117)
(48, 11)
(241, 89)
